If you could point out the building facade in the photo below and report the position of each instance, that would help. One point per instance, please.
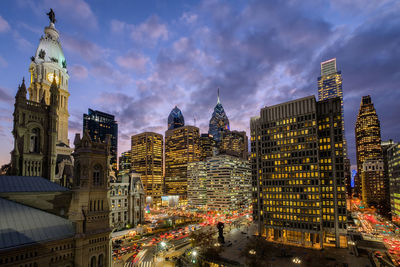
(207, 146)
(147, 160)
(182, 145)
(373, 190)
(228, 183)
(127, 201)
(330, 86)
(234, 143)
(367, 133)
(393, 159)
(298, 173)
(99, 125)
(197, 184)
(124, 162)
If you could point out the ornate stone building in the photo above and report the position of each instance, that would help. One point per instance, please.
(41, 145)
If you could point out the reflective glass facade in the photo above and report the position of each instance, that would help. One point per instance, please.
(99, 125)
(219, 122)
(175, 119)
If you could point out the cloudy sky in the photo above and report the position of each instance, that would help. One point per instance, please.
(138, 59)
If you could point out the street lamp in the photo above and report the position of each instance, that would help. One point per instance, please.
(163, 244)
(194, 253)
(252, 252)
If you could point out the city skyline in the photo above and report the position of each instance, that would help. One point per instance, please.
(160, 61)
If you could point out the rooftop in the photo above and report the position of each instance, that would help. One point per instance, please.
(28, 184)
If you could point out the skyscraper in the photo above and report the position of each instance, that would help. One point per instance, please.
(393, 156)
(207, 146)
(147, 160)
(124, 163)
(298, 180)
(181, 147)
(175, 119)
(368, 134)
(219, 121)
(234, 143)
(373, 189)
(99, 124)
(330, 86)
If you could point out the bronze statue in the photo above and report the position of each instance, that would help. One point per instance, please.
(52, 16)
(220, 226)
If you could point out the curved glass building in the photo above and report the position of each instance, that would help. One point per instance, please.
(175, 119)
(219, 121)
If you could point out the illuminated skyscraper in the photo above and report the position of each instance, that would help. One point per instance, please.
(368, 134)
(99, 125)
(219, 122)
(234, 143)
(393, 158)
(298, 180)
(197, 184)
(147, 160)
(125, 163)
(330, 86)
(182, 145)
(175, 119)
(373, 189)
(207, 146)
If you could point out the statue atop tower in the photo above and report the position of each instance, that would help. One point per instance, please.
(52, 16)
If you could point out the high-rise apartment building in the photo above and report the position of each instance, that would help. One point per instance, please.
(124, 163)
(393, 159)
(298, 180)
(234, 143)
(182, 145)
(99, 125)
(330, 86)
(368, 134)
(373, 190)
(147, 160)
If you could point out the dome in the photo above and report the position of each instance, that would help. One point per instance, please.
(175, 119)
(49, 49)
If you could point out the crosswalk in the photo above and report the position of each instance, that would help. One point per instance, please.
(142, 264)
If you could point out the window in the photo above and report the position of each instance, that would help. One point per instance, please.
(97, 175)
(34, 141)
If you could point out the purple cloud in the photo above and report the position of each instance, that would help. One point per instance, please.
(4, 26)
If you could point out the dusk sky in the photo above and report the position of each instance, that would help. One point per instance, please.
(138, 59)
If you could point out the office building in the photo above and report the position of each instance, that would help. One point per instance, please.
(368, 134)
(175, 119)
(330, 86)
(182, 145)
(228, 183)
(207, 146)
(219, 122)
(99, 125)
(147, 160)
(299, 194)
(125, 163)
(373, 191)
(393, 159)
(197, 184)
(234, 143)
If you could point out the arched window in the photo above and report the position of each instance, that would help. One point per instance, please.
(34, 141)
(97, 175)
(101, 261)
(93, 261)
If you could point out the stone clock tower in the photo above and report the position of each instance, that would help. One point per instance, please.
(49, 63)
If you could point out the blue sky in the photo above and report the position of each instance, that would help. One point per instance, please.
(138, 59)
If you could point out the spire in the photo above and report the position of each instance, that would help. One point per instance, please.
(218, 102)
(22, 89)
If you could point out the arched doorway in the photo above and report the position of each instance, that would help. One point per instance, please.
(101, 261)
(93, 262)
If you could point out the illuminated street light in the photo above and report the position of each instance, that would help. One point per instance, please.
(163, 244)
(194, 253)
(296, 260)
(252, 252)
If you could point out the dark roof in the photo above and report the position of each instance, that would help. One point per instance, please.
(22, 225)
(28, 184)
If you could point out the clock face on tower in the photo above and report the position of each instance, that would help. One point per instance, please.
(51, 76)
